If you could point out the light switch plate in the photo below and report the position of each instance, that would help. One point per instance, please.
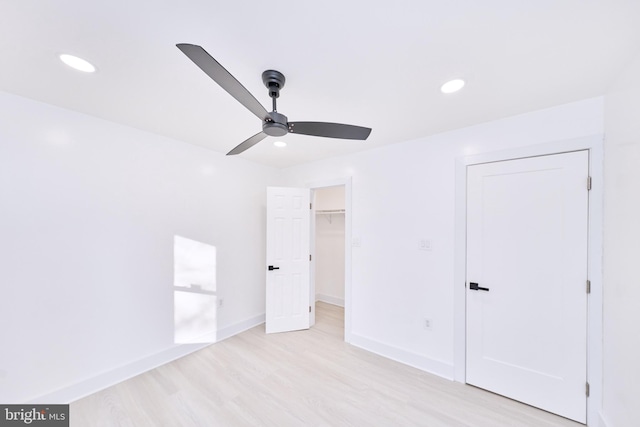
(424, 245)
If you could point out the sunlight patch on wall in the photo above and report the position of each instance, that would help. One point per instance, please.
(194, 291)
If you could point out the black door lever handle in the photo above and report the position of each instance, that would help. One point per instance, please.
(474, 287)
(271, 267)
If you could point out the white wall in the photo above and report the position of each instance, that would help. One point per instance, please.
(404, 193)
(621, 401)
(88, 213)
(89, 209)
(329, 245)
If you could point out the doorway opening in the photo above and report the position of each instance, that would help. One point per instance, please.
(329, 245)
(329, 269)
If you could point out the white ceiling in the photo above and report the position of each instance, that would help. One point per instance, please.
(369, 63)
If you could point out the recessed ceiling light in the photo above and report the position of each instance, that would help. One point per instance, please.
(280, 144)
(452, 86)
(77, 63)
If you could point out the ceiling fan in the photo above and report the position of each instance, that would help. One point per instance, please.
(273, 123)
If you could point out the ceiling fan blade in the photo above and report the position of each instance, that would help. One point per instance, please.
(330, 130)
(248, 143)
(221, 76)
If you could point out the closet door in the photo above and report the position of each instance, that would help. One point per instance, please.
(288, 253)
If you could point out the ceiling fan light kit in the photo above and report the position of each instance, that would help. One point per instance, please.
(273, 123)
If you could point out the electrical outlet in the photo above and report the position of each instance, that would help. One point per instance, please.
(427, 324)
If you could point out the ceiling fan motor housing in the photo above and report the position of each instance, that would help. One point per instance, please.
(274, 81)
(275, 124)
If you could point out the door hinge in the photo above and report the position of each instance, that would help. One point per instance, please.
(588, 286)
(309, 257)
(310, 205)
(588, 183)
(309, 309)
(586, 389)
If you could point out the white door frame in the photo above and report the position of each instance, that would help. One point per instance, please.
(594, 144)
(346, 182)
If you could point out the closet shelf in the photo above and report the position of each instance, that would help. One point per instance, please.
(329, 211)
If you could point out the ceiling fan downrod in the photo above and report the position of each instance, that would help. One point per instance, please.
(275, 124)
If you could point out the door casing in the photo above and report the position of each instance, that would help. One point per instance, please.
(346, 182)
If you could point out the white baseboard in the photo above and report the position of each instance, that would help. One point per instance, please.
(330, 300)
(99, 382)
(436, 367)
(236, 328)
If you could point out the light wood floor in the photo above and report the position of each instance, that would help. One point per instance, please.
(306, 378)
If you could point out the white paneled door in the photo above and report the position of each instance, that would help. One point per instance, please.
(527, 225)
(288, 234)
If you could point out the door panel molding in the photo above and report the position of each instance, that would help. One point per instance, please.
(287, 263)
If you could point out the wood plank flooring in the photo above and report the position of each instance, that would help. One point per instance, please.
(306, 378)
